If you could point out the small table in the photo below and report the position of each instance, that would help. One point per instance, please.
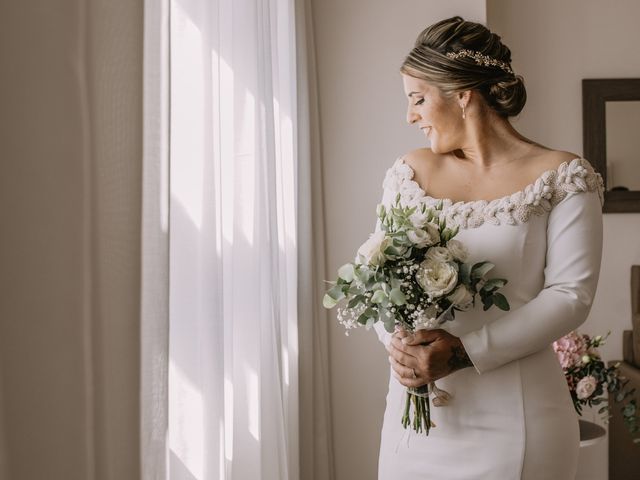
(590, 433)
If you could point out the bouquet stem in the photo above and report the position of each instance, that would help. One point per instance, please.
(419, 398)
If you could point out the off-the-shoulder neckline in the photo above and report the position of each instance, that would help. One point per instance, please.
(526, 189)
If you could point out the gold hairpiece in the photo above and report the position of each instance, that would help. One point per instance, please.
(481, 59)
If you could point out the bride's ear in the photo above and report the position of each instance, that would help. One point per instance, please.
(463, 97)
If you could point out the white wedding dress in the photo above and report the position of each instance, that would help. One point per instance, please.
(511, 417)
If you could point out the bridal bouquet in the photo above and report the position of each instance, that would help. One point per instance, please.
(412, 273)
(589, 379)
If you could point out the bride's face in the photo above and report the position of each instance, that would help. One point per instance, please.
(438, 117)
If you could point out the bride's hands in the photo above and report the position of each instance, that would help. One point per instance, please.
(431, 354)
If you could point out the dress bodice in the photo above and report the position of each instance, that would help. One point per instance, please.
(537, 198)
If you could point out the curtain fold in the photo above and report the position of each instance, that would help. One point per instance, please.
(316, 444)
(154, 305)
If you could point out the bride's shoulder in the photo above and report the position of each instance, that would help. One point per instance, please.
(421, 158)
(562, 162)
(422, 161)
(553, 159)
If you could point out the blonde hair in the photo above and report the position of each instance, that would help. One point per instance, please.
(502, 91)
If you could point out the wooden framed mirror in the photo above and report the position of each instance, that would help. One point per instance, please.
(611, 139)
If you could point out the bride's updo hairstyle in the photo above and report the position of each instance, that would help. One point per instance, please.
(501, 89)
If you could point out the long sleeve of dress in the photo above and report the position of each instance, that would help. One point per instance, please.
(572, 268)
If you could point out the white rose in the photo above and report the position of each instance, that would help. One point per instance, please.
(372, 251)
(424, 237)
(461, 298)
(436, 278)
(458, 250)
(440, 254)
(586, 386)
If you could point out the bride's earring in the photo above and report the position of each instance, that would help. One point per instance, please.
(463, 115)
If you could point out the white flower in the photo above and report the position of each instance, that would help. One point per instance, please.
(437, 278)
(586, 386)
(440, 254)
(461, 298)
(425, 322)
(424, 237)
(372, 251)
(418, 219)
(458, 250)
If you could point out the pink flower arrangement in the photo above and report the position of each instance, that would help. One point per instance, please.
(570, 349)
(590, 380)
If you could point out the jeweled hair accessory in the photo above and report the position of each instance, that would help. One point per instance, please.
(481, 59)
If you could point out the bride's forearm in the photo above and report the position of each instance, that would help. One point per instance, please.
(459, 358)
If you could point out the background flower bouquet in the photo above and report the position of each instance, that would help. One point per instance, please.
(412, 273)
(590, 380)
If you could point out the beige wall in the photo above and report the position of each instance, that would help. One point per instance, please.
(360, 45)
(70, 134)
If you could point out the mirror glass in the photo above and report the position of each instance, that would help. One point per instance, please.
(623, 145)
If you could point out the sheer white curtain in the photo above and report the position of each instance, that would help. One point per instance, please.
(233, 389)
(233, 249)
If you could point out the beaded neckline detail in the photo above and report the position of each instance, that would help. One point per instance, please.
(551, 187)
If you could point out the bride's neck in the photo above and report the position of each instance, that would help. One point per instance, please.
(493, 141)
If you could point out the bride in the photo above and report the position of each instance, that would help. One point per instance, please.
(536, 213)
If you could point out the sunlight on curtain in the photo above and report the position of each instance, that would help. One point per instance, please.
(233, 390)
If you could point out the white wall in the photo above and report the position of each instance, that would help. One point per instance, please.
(70, 157)
(360, 46)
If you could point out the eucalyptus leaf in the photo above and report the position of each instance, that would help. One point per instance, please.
(480, 269)
(362, 319)
(378, 296)
(487, 302)
(389, 324)
(355, 301)
(355, 290)
(494, 283)
(328, 302)
(346, 272)
(464, 273)
(396, 296)
(500, 301)
(337, 292)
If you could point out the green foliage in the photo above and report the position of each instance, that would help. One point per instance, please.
(346, 272)
(500, 301)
